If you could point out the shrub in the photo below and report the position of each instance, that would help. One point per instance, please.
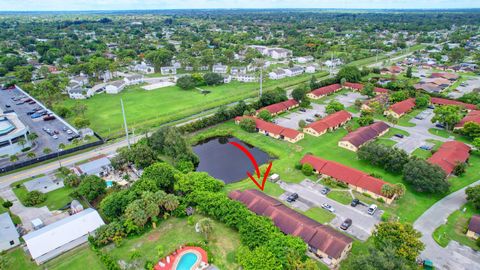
(72, 180)
(7, 204)
(307, 169)
(298, 166)
(34, 198)
(385, 216)
(367, 195)
(248, 125)
(380, 200)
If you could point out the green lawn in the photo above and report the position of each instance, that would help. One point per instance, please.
(321, 215)
(149, 109)
(287, 155)
(447, 134)
(340, 196)
(55, 199)
(455, 228)
(80, 258)
(421, 153)
(172, 233)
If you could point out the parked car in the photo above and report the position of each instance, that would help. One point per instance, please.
(310, 120)
(372, 209)
(49, 118)
(55, 136)
(292, 197)
(354, 202)
(318, 115)
(20, 103)
(8, 106)
(325, 190)
(439, 126)
(431, 107)
(302, 110)
(31, 102)
(28, 100)
(328, 207)
(426, 147)
(346, 224)
(401, 136)
(69, 131)
(419, 117)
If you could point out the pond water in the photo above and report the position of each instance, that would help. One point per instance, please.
(225, 161)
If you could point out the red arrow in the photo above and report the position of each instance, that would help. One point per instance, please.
(254, 162)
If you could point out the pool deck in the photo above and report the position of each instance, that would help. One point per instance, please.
(177, 255)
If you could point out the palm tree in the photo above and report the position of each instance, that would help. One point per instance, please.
(170, 202)
(61, 146)
(32, 136)
(31, 155)
(47, 150)
(13, 158)
(22, 142)
(206, 227)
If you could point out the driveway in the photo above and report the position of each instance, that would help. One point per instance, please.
(348, 99)
(363, 223)
(469, 86)
(454, 256)
(291, 120)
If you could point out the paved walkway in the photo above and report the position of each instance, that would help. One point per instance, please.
(454, 256)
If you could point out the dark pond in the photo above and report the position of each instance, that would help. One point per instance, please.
(225, 161)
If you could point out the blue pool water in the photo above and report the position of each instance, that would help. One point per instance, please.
(109, 184)
(187, 261)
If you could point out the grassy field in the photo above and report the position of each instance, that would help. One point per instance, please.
(287, 155)
(341, 196)
(80, 258)
(172, 233)
(319, 214)
(455, 228)
(447, 134)
(421, 153)
(55, 199)
(149, 109)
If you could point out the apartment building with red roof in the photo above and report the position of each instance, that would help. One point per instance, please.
(280, 107)
(445, 75)
(329, 244)
(359, 87)
(354, 140)
(473, 230)
(328, 123)
(355, 179)
(399, 109)
(472, 116)
(444, 101)
(273, 130)
(449, 155)
(324, 91)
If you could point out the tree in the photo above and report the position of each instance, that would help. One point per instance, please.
(186, 82)
(265, 115)
(163, 175)
(473, 195)
(365, 120)
(422, 101)
(392, 119)
(471, 130)
(47, 150)
(257, 259)
(399, 96)
(7, 204)
(460, 168)
(159, 58)
(388, 190)
(368, 90)
(349, 73)
(299, 94)
(72, 180)
(307, 169)
(476, 143)
(213, 78)
(409, 72)
(302, 123)
(169, 202)
(385, 259)
(448, 115)
(205, 226)
(81, 122)
(402, 237)
(31, 155)
(334, 106)
(34, 198)
(248, 124)
(13, 158)
(197, 181)
(425, 177)
(91, 187)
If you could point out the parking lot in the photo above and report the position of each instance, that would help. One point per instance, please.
(36, 125)
(310, 196)
(465, 88)
(291, 120)
(348, 99)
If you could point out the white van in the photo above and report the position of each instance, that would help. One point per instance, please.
(372, 209)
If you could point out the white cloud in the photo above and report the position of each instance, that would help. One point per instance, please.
(25, 5)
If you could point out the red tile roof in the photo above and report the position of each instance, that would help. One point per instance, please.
(345, 174)
(449, 155)
(365, 134)
(403, 107)
(381, 90)
(330, 121)
(445, 75)
(272, 128)
(444, 101)
(356, 86)
(472, 116)
(474, 224)
(327, 89)
(280, 107)
(289, 221)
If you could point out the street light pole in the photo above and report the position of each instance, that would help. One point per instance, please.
(125, 123)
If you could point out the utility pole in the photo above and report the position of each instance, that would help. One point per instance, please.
(125, 123)
(261, 81)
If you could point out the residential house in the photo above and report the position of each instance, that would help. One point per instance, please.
(304, 59)
(176, 64)
(324, 241)
(220, 69)
(9, 236)
(144, 68)
(115, 87)
(393, 70)
(227, 78)
(355, 179)
(472, 116)
(280, 107)
(238, 70)
(399, 109)
(76, 91)
(246, 78)
(61, 236)
(449, 155)
(168, 70)
(428, 87)
(279, 53)
(134, 79)
(294, 71)
(356, 139)
(99, 167)
(277, 74)
(324, 91)
(203, 68)
(273, 130)
(310, 69)
(444, 101)
(445, 75)
(328, 123)
(473, 230)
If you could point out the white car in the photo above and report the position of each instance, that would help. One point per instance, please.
(328, 207)
(69, 131)
(55, 136)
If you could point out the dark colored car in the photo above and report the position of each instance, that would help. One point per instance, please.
(399, 136)
(49, 118)
(346, 224)
(302, 110)
(292, 197)
(325, 190)
(354, 202)
(8, 106)
(30, 112)
(439, 126)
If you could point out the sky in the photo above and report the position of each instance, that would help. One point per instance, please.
(55, 5)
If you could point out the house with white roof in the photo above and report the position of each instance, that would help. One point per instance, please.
(144, 68)
(277, 74)
(99, 167)
(304, 59)
(62, 236)
(310, 69)
(294, 71)
(115, 87)
(220, 69)
(238, 70)
(246, 77)
(9, 236)
(168, 70)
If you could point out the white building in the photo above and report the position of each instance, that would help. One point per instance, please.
(144, 68)
(176, 64)
(294, 71)
(238, 70)
(99, 167)
(134, 79)
(220, 69)
(13, 133)
(76, 91)
(115, 87)
(310, 69)
(9, 236)
(227, 79)
(246, 78)
(62, 236)
(304, 59)
(279, 53)
(168, 70)
(277, 74)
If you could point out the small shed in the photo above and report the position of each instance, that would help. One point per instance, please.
(76, 207)
(37, 224)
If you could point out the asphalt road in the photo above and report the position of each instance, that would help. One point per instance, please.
(454, 256)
